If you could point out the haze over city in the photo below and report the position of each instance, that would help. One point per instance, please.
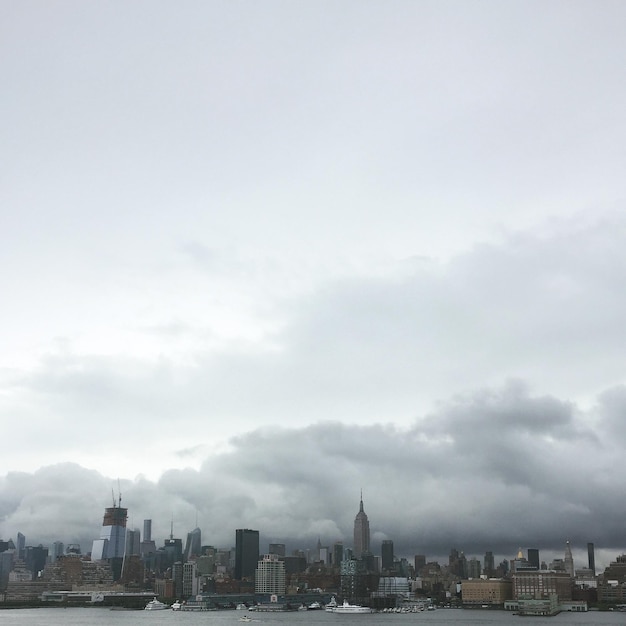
(260, 256)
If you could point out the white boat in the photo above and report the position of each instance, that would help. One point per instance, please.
(347, 608)
(155, 605)
(314, 606)
(241, 607)
(331, 605)
(245, 618)
(177, 606)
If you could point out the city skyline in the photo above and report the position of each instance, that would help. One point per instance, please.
(247, 548)
(257, 256)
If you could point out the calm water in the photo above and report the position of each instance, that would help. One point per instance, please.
(100, 617)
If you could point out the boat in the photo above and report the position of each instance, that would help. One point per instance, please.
(241, 607)
(155, 605)
(314, 606)
(331, 605)
(347, 608)
(177, 606)
(245, 618)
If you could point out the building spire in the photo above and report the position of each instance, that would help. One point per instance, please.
(361, 505)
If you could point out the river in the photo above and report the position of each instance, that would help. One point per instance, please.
(440, 617)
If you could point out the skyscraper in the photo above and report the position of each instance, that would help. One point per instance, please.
(386, 555)
(361, 532)
(193, 547)
(112, 542)
(246, 553)
(533, 557)
(270, 575)
(591, 555)
(569, 560)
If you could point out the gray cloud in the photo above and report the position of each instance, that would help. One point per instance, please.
(484, 472)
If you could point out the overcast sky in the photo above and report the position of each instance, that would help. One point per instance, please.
(257, 256)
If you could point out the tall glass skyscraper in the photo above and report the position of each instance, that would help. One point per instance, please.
(246, 553)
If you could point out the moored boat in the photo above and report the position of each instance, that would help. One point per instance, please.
(155, 605)
(347, 608)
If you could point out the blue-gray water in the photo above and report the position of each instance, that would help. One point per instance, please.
(101, 617)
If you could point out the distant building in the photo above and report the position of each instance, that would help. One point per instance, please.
(569, 560)
(473, 568)
(361, 532)
(492, 591)
(277, 548)
(591, 557)
(533, 557)
(337, 555)
(21, 546)
(193, 547)
(191, 579)
(386, 555)
(246, 553)
(541, 584)
(112, 541)
(270, 575)
(419, 562)
(133, 543)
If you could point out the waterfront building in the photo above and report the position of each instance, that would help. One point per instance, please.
(270, 575)
(612, 584)
(490, 591)
(542, 584)
(246, 553)
(191, 579)
(361, 532)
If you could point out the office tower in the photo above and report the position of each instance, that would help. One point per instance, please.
(133, 542)
(193, 547)
(473, 568)
(489, 568)
(21, 546)
(419, 562)
(112, 542)
(569, 560)
(35, 558)
(147, 530)
(533, 557)
(270, 575)
(386, 554)
(277, 548)
(246, 553)
(57, 550)
(361, 532)
(337, 553)
(324, 556)
(592, 558)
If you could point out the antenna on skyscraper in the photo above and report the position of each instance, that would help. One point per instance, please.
(119, 491)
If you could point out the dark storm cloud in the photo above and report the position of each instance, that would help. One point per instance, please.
(489, 471)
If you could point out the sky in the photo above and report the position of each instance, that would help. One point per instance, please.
(258, 256)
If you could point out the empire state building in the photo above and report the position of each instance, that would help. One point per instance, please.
(361, 532)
